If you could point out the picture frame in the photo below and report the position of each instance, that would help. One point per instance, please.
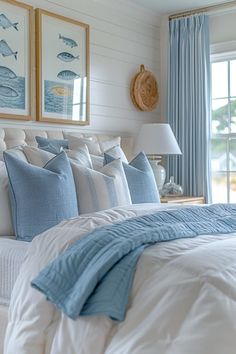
(16, 60)
(62, 69)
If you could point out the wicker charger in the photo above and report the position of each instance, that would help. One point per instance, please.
(144, 90)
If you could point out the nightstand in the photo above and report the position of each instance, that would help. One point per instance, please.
(183, 200)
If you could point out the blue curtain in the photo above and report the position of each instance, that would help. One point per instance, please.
(189, 103)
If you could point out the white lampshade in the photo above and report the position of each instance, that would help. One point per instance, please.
(157, 139)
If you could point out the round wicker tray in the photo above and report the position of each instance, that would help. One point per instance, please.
(144, 90)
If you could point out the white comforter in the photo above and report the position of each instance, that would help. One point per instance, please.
(12, 253)
(183, 299)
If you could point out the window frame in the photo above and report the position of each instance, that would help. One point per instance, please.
(216, 58)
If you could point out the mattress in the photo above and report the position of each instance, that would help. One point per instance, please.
(12, 253)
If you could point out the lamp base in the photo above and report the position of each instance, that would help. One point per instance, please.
(159, 173)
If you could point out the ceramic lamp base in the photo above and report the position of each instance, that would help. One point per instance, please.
(159, 173)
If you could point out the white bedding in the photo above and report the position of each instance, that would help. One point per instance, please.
(183, 299)
(12, 253)
(3, 325)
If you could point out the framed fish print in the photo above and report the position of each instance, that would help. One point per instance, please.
(62, 69)
(15, 60)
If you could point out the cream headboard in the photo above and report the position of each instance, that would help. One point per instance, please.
(11, 137)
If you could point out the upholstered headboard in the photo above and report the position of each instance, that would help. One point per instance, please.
(11, 137)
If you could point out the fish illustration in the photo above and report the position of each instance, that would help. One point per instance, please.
(7, 91)
(7, 73)
(5, 50)
(67, 75)
(6, 23)
(61, 91)
(68, 41)
(65, 56)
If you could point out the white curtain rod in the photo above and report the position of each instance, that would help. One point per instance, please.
(202, 9)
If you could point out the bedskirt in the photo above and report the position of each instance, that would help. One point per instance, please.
(3, 325)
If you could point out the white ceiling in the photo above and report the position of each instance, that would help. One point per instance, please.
(174, 6)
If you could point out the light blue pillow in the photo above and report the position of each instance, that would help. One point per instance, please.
(99, 190)
(40, 197)
(140, 178)
(52, 145)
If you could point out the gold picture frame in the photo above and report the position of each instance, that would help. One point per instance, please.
(62, 69)
(16, 60)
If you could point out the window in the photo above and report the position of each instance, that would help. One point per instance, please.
(223, 139)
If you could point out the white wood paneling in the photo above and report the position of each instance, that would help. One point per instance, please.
(122, 37)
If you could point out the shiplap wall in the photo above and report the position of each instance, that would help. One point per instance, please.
(122, 36)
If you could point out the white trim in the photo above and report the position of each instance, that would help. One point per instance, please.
(225, 56)
(220, 12)
(223, 50)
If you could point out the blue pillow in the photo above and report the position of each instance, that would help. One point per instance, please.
(40, 197)
(52, 145)
(140, 178)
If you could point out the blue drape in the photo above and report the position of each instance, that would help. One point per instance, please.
(189, 103)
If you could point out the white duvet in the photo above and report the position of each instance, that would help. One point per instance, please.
(183, 299)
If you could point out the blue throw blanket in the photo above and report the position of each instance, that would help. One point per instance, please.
(94, 276)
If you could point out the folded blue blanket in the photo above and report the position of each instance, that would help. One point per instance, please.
(94, 276)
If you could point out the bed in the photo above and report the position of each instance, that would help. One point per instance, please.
(12, 254)
(11, 251)
(181, 299)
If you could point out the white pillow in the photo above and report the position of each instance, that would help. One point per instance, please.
(109, 144)
(75, 142)
(18, 152)
(95, 147)
(36, 156)
(6, 228)
(97, 161)
(117, 153)
(101, 190)
(39, 157)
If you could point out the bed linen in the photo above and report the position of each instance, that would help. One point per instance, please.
(12, 254)
(182, 300)
(95, 275)
(3, 325)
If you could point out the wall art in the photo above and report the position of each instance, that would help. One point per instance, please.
(62, 69)
(15, 60)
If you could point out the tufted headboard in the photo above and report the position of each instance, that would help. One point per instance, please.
(11, 137)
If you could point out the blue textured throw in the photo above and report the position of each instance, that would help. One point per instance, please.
(94, 276)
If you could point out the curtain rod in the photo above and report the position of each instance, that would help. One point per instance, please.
(202, 9)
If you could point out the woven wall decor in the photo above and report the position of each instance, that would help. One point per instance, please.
(144, 90)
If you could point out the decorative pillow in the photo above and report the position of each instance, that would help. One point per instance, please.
(40, 197)
(80, 156)
(140, 178)
(52, 145)
(101, 190)
(18, 152)
(40, 157)
(117, 153)
(6, 228)
(36, 156)
(93, 145)
(109, 143)
(97, 162)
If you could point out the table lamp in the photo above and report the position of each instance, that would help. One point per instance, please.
(157, 140)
